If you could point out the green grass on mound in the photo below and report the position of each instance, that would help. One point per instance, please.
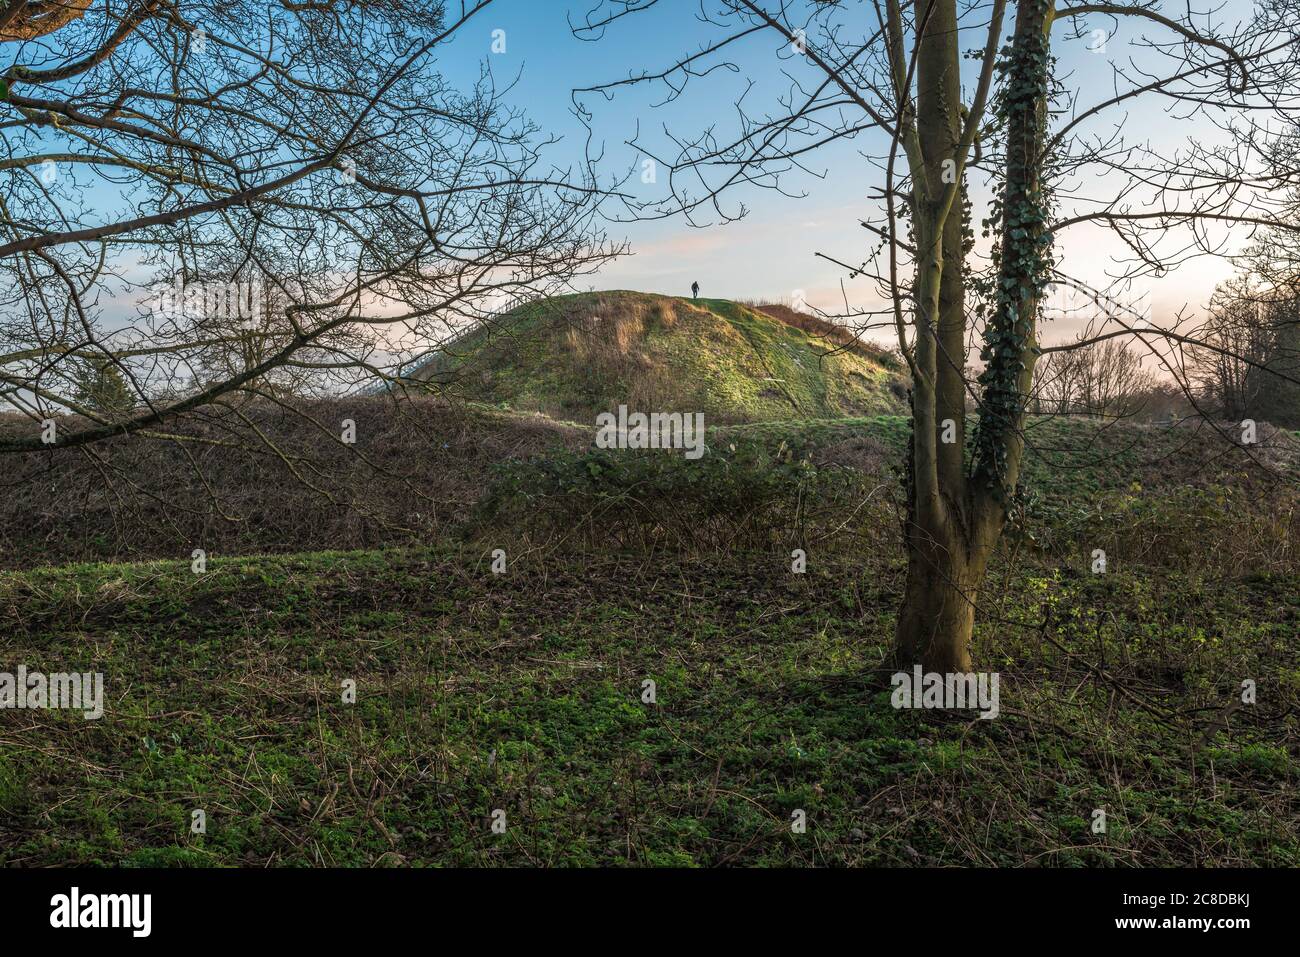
(573, 357)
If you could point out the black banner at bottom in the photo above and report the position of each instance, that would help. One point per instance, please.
(335, 906)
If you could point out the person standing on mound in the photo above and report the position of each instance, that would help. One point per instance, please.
(695, 290)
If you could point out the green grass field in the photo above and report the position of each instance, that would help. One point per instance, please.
(522, 692)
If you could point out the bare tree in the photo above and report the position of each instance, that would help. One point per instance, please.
(1280, 378)
(1270, 281)
(894, 73)
(1234, 341)
(226, 196)
(1247, 363)
(1101, 378)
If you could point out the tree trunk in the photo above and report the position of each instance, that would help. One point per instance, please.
(937, 619)
(938, 612)
(954, 523)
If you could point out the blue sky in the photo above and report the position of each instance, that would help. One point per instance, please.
(770, 253)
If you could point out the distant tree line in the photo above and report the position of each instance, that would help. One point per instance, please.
(1242, 362)
(1245, 364)
(1255, 373)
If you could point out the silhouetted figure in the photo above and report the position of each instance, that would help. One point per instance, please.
(695, 290)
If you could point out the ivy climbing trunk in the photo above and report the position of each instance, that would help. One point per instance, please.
(956, 511)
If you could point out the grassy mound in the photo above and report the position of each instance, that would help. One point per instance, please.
(573, 357)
